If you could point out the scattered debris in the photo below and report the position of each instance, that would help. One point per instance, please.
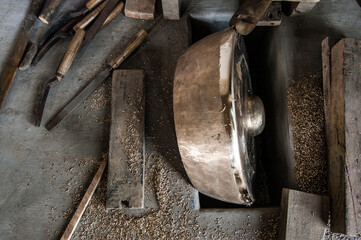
(305, 102)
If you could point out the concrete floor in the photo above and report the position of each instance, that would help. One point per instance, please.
(44, 173)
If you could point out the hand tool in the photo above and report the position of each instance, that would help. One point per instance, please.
(69, 59)
(101, 77)
(8, 73)
(69, 20)
(29, 56)
(68, 32)
(46, 15)
(248, 14)
(95, 27)
(62, 70)
(65, 32)
(84, 202)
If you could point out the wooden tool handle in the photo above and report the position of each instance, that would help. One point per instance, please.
(48, 12)
(90, 17)
(118, 9)
(84, 202)
(129, 48)
(70, 53)
(92, 4)
(248, 15)
(29, 56)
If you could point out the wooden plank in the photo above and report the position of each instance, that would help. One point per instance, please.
(344, 137)
(326, 74)
(126, 146)
(303, 215)
(351, 74)
(336, 146)
(171, 9)
(141, 9)
(84, 202)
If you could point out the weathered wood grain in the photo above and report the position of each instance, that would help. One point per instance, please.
(8, 73)
(49, 11)
(126, 146)
(343, 130)
(84, 202)
(326, 74)
(303, 215)
(336, 146)
(142, 9)
(171, 9)
(348, 65)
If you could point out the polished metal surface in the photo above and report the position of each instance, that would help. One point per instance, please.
(216, 117)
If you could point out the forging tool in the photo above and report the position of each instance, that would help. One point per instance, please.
(98, 80)
(66, 23)
(68, 59)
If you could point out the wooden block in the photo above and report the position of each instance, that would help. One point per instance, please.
(171, 9)
(142, 9)
(303, 215)
(126, 146)
(344, 137)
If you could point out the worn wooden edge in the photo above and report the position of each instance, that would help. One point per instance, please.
(352, 84)
(336, 140)
(171, 9)
(140, 9)
(129, 195)
(84, 202)
(303, 215)
(9, 71)
(326, 75)
(283, 214)
(49, 11)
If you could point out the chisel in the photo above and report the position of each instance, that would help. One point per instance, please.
(68, 59)
(8, 73)
(65, 32)
(100, 78)
(69, 20)
(94, 28)
(62, 70)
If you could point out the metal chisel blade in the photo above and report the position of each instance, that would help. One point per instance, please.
(95, 27)
(79, 98)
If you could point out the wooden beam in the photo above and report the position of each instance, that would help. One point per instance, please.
(345, 136)
(126, 147)
(84, 203)
(142, 9)
(171, 9)
(303, 215)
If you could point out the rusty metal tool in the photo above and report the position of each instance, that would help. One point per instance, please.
(66, 32)
(32, 48)
(95, 27)
(70, 55)
(248, 14)
(98, 80)
(8, 73)
(62, 70)
(69, 20)
(84, 23)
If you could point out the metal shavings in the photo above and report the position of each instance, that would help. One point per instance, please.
(305, 102)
